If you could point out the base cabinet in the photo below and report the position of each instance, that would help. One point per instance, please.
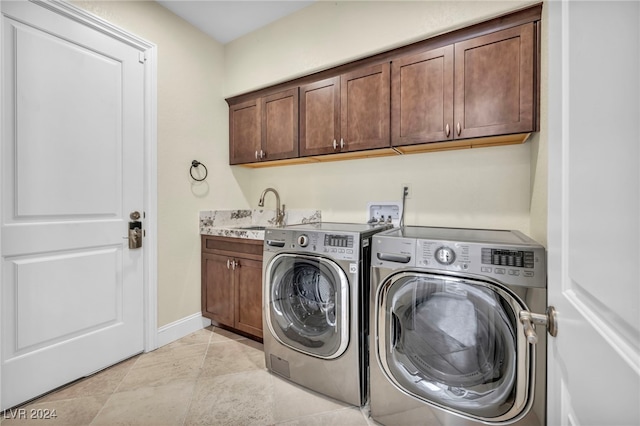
(232, 283)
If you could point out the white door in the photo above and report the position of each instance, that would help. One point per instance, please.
(594, 213)
(72, 171)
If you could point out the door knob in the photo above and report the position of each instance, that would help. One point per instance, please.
(135, 231)
(529, 320)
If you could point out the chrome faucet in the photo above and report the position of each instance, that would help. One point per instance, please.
(279, 212)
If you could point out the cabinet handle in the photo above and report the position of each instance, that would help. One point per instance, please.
(234, 264)
(335, 145)
(228, 264)
(447, 130)
(262, 154)
(256, 154)
(341, 143)
(458, 128)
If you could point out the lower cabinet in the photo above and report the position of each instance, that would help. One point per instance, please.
(232, 283)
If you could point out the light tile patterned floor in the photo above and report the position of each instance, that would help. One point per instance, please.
(211, 377)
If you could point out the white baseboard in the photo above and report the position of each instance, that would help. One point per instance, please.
(180, 328)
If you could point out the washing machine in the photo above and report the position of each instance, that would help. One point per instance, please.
(453, 337)
(315, 304)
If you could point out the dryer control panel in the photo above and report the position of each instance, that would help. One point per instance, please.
(518, 261)
(513, 265)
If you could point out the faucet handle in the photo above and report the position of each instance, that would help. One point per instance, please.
(281, 213)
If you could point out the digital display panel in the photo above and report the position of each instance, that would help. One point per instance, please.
(512, 258)
(338, 241)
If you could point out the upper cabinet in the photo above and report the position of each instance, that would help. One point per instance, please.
(346, 113)
(481, 87)
(364, 108)
(264, 128)
(476, 86)
(494, 82)
(245, 131)
(422, 97)
(320, 117)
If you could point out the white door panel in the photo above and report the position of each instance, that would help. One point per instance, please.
(72, 171)
(48, 236)
(594, 212)
(84, 88)
(40, 289)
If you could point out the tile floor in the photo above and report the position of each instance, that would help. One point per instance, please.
(211, 377)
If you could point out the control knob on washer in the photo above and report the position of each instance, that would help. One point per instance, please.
(445, 255)
(303, 240)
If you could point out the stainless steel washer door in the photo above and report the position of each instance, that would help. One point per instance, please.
(307, 300)
(454, 343)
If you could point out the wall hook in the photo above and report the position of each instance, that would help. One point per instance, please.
(196, 163)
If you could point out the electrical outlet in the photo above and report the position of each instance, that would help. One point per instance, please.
(406, 188)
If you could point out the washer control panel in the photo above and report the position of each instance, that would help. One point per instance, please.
(303, 240)
(339, 246)
(514, 265)
(445, 255)
(510, 258)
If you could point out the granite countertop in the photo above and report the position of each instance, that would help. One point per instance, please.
(250, 224)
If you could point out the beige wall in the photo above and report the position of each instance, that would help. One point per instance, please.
(499, 187)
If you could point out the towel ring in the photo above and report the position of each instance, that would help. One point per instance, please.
(196, 163)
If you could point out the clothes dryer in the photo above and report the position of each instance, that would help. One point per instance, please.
(315, 303)
(451, 339)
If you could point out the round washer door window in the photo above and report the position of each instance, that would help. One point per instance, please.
(308, 300)
(453, 343)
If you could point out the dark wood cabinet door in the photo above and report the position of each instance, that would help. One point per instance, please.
(422, 97)
(319, 117)
(280, 125)
(245, 131)
(217, 282)
(365, 110)
(248, 298)
(494, 82)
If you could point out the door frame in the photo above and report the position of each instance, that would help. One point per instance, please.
(148, 55)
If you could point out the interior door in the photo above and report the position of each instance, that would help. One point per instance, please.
(594, 213)
(72, 171)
